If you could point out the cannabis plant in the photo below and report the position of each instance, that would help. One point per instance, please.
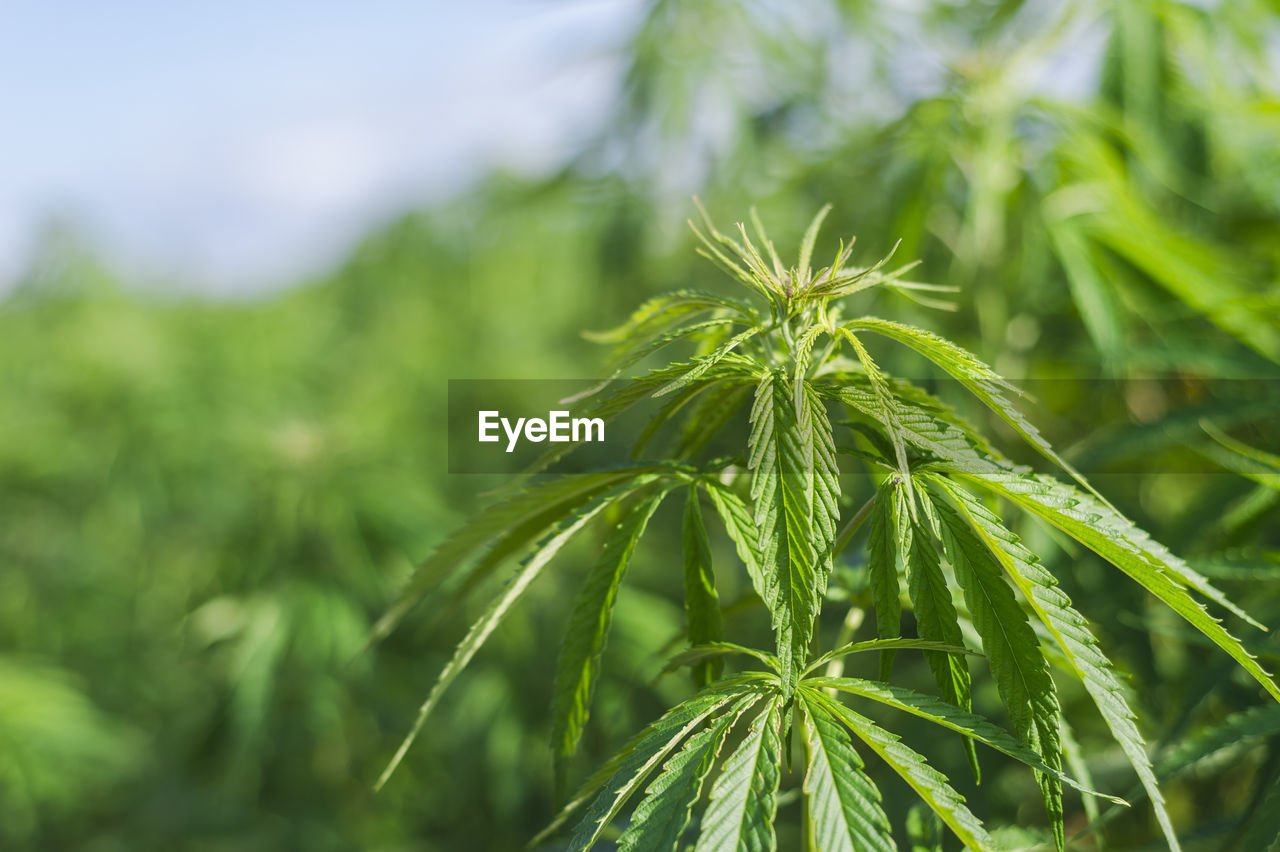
(797, 367)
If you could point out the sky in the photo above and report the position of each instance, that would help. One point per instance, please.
(230, 147)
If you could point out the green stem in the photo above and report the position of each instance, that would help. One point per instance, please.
(852, 621)
(846, 534)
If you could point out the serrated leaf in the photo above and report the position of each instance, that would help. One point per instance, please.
(885, 409)
(983, 382)
(744, 798)
(714, 410)
(740, 526)
(886, 544)
(642, 349)
(782, 495)
(820, 448)
(711, 650)
(802, 355)
(630, 392)
(713, 249)
(578, 666)
(607, 791)
(1122, 544)
(810, 237)
(844, 805)
(1012, 648)
(929, 784)
(942, 713)
(494, 614)
(668, 308)
(1071, 631)
(705, 362)
(701, 602)
(840, 280)
(959, 452)
(935, 613)
(498, 533)
(887, 644)
(662, 817)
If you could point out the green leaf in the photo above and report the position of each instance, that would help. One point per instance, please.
(886, 543)
(714, 411)
(1264, 835)
(607, 791)
(578, 667)
(1013, 650)
(662, 817)
(885, 409)
(626, 394)
(744, 799)
(1071, 631)
(1122, 544)
(1258, 465)
(710, 650)
(928, 783)
(740, 526)
(820, 449)
(839, 280)
(636, 353)
(663, 310)
(499, 532)
(957, 452)
(942, 713)
(494, 614)
(1094, 297)
(936, 619)
(925, 831)
(704, 363)
(802, 356)
(701, 602)
(1239, 730)
(974, 374)
(887, 645)
(810, 237)
(844, 804)
(713, 249)
(783, 495)
(778, 269)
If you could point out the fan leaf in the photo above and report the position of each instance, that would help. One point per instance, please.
(578, 667)
(701, 602)
(928, 783)
(844, 805)
(744, 799)
(1071, 631)
(1012, 648)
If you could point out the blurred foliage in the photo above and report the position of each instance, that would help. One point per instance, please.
(204, 506)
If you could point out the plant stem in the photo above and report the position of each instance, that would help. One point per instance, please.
(852, 621)
(846, 534)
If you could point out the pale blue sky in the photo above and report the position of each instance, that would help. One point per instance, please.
(236, 145)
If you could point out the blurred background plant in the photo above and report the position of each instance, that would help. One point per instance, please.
(205, 502)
